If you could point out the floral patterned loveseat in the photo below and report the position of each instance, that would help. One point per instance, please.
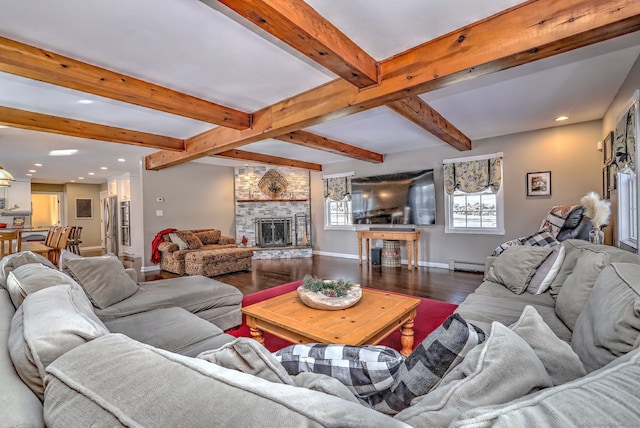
(177, 245)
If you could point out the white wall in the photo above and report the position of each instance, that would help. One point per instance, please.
(569, 152)
(196, 196)
(199, 195)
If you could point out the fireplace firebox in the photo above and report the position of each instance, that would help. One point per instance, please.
(273, 232)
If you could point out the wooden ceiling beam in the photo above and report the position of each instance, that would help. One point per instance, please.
(297, 24)
(314, 141)
(269, 160)
(300, 26)
(77, 128)
(528, 32)
(419, 112)
(38, 64)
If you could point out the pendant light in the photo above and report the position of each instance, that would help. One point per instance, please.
(5, 175)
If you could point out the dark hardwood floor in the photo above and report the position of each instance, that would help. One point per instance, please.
(432, 283)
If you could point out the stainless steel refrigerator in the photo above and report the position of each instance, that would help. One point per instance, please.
(111, 224)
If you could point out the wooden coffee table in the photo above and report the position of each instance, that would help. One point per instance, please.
(369, 321)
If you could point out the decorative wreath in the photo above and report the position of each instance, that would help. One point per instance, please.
(273, 184)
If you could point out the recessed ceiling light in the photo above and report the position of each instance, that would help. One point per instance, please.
(29, 175)
(37, 164)
(561, 118)
(80, 178)
(122, 160)
(63, 152)
(92, 173)
(32, 170)
(85, 102)
(103, 168)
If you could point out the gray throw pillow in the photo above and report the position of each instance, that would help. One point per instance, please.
(438, 353)
(36, 340)
(560, 361)
(609, 324)
(103, 279)
(515, 267)
(15, 260)
(547, 271)
(498, 371)
(29, 278)
(365, 369)
(248, 356)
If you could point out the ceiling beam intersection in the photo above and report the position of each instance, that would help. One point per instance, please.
(525, 33)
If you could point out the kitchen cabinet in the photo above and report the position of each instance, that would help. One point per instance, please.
(124, 187)
(17, 198)
(112, 186)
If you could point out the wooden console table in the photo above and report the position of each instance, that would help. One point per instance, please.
(392, 235)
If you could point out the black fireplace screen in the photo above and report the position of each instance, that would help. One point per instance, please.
(273, 232)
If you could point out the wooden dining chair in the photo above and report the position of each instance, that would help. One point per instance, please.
(51, 234)
(58, 243)
(10, 242)
(73, 243)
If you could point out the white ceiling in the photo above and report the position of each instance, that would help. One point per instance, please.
(211, 53)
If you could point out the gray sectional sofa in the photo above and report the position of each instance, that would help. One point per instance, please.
(561, 350)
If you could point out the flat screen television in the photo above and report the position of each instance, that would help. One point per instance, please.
(402, 198)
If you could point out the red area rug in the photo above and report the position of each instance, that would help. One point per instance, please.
(430, 315)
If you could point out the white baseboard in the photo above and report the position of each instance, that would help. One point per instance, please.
(364, 258)
(150, 268)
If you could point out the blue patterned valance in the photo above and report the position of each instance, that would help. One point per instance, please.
(337, 188)
(473, 176)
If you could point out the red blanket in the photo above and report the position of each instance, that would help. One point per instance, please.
(155, 254)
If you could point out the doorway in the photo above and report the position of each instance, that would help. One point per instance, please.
(46, 209)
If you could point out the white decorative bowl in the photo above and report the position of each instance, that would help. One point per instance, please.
(327, 303)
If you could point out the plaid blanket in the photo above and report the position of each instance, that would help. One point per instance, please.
(556, 219)
(365, 370)
(422, 371)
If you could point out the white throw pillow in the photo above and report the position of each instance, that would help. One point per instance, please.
(547, 271)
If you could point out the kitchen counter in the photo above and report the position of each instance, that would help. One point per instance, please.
(38, 234)
(25, 229)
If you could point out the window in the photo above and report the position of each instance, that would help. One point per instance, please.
(628, 209)
(337, 201)
(338, 212)
(626, 160)
(480, 208)
(474, 210)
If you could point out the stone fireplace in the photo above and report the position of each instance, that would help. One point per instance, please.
(278, 226)
(273, 232)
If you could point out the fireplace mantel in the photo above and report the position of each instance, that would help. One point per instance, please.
(271, 200)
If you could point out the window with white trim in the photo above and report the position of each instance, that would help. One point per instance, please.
(337, 201)
(474, 205)
(626, 159)
(628, 209)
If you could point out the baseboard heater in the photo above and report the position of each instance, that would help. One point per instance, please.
(462, 266)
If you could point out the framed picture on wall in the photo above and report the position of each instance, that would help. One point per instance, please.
(606, 194)
(84, 208)
(607, 148)
(613, 178)
(539, 183)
